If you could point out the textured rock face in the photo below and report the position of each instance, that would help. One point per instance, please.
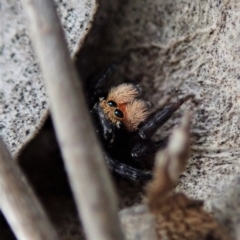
(178, 47)
(23, 102)
(172, 48)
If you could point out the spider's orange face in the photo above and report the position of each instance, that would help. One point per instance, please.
(122, 105)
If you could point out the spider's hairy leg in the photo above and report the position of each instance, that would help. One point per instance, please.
(96, 87)
(106, 75)
(97, 84)
(144, 149)
(127, 171)
(159, 117)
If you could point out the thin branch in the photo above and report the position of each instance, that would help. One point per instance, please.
(19, 204)
(89, 178)
(170, 163)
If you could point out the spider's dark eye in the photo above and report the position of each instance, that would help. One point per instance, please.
(118, 113)
(112, 104)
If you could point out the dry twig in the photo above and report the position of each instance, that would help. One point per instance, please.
(89, 178)
(170, 163)
(19, 204)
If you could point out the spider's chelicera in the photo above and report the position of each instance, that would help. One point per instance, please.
(125, 126)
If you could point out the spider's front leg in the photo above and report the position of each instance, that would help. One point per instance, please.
(127, 171)
(96, 87)
(144, 148)
(96, 84)
(159, 117)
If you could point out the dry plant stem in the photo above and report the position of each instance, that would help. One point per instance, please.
(89, 178)
(19, 204)
(170, 163)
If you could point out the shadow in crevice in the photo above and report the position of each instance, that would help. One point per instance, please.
(42, 164)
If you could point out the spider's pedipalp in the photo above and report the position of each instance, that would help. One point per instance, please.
(135, 113)
(159, 117)
(104, 126)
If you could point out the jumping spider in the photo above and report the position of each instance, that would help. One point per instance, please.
(125, 126)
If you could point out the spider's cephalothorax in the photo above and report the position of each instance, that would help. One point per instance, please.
(125, 127)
